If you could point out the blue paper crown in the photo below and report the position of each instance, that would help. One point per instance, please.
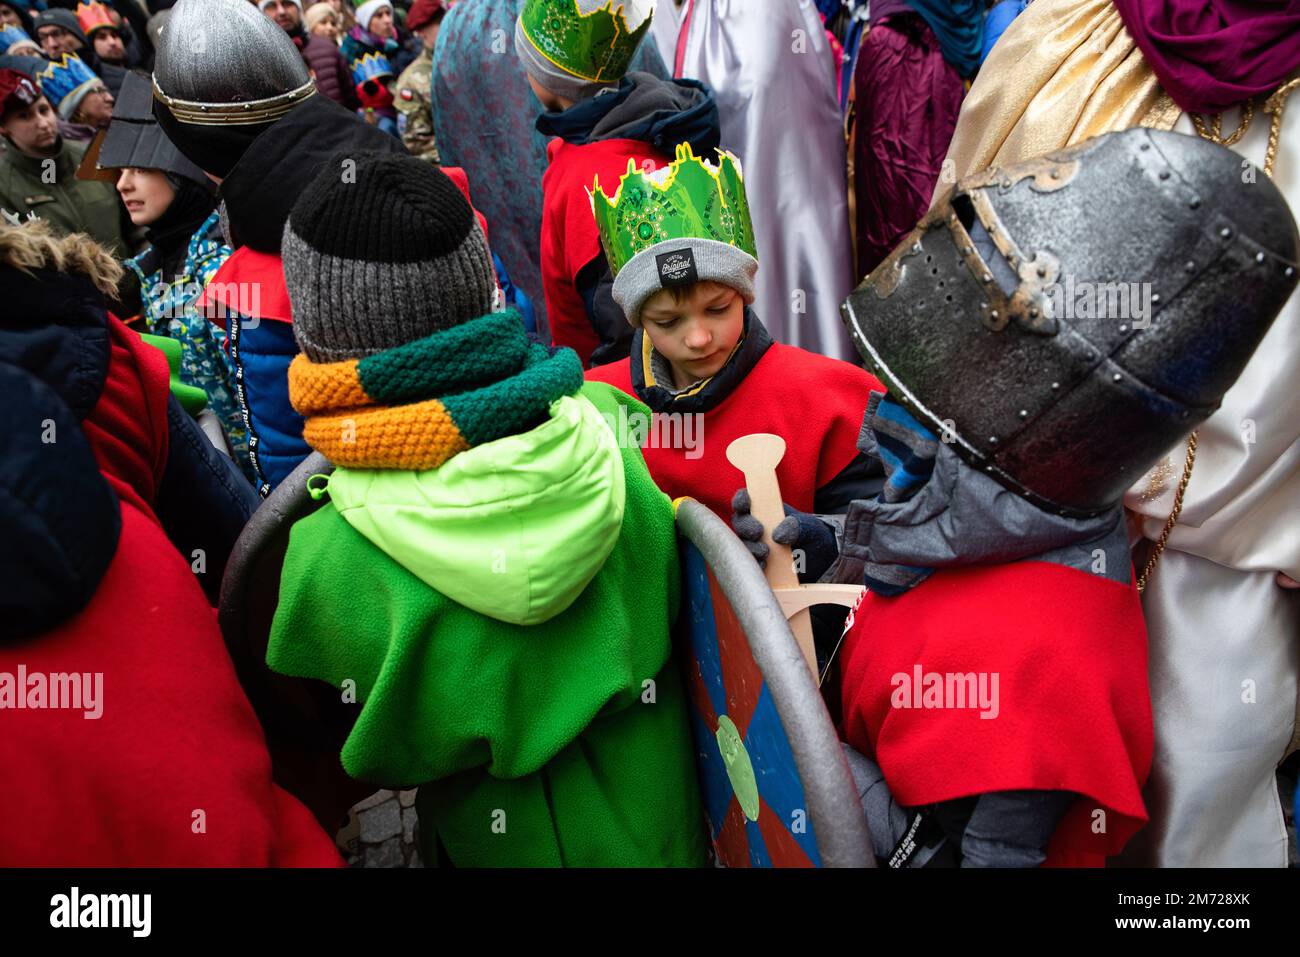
(65, 77)
(370, 67)
(11, 35)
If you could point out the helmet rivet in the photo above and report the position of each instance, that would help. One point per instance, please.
(1190, 267)
(1117, 378)
(1155, 298)
(1225, 232)
(965, 250)
(1289, 272)
(1259, 257)
(1123, 327)
(988, 278)
(994, 314)
(1055, 386)
(1056, 174)
(1024, 413)
(993, 440)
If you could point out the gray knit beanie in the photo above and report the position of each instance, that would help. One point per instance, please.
(552, 77)
(682, 262)
(382, 249)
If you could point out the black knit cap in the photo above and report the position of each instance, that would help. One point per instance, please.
(379, 250)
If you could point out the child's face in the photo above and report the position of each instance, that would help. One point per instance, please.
(550, 101)
(697, 333)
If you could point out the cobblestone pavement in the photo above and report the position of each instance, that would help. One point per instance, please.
(381, 832)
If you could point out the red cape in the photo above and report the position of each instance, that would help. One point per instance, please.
(570, 239)
(1073, 710)
(175, 770)
(813, 402)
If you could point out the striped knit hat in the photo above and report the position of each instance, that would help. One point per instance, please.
(382, 249)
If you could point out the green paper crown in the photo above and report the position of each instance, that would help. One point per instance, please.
(688, 199)
(595, 46)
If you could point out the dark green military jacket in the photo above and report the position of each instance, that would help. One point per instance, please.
(50, 189)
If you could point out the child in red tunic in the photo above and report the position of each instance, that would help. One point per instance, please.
(703, 362)
(600, 120)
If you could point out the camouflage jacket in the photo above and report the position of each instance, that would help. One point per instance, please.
(415, 105)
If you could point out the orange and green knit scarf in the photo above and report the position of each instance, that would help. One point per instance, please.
(415, 406)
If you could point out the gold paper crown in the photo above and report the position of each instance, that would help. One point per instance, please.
(688, 199)
(595, 46)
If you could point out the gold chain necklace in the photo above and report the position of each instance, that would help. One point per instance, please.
(1213, 131)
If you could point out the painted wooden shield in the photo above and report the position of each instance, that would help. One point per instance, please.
(742, 715)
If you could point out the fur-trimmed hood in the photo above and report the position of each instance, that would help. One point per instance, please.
(31, 245)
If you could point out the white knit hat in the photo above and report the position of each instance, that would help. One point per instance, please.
(368, 9)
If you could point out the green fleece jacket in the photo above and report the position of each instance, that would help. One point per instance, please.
(505, 619)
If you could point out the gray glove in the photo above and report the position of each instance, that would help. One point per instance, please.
(798, 530)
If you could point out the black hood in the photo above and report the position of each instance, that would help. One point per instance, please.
(278, 165)
(60, 517)
(643, 107)
(265, 166)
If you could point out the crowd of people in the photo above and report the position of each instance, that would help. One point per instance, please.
(419, 264)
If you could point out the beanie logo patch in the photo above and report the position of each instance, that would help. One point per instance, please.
(677, 268)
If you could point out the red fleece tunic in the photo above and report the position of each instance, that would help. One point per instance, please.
(569, 236)
(1072, 709)
(175, 771)
(813, 402)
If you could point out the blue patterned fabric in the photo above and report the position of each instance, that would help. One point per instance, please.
(169, 310)
(484, 112)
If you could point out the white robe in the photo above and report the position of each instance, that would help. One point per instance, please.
(769, 64)
(1224, 638)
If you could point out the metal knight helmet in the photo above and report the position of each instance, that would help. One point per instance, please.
(1065, 321)
(223, 63)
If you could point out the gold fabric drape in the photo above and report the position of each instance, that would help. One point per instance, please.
(1062, 72)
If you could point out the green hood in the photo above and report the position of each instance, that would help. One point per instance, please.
(514, 529)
